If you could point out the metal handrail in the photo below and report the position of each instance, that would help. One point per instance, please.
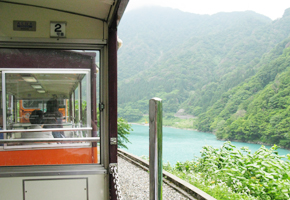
(87, 139)
(46, 129)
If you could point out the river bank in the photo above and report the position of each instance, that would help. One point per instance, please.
(144, 124)
(170, 121)
(256, 142)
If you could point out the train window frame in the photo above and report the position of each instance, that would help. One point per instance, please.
(99, 140)
(87, 75)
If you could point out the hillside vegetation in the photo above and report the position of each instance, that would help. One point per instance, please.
(230, 70)
(256, 110)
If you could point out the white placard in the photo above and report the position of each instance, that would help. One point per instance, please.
(57, 29)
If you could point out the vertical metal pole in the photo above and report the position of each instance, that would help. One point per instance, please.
(70, 107)
(155, 148)
(74, 107)
(94, 111)
(80, 103)
(4, 104)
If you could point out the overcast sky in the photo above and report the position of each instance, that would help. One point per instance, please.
(271, 8)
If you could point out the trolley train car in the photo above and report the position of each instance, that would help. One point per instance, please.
(58, 64)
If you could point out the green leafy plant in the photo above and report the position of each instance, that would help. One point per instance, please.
(123, 131)
(262, 175)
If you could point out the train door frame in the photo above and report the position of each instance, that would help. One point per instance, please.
(92, 85)
(107, 46)
(104, 98)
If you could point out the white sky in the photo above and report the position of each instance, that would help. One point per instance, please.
(271, 8)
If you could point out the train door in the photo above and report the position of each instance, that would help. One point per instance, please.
(47, 141)
(58, 62)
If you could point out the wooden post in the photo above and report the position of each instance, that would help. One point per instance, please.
(155, 148)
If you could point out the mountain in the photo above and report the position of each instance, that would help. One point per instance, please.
(187, 47)
(197, 62)
(258, 109)
(152, 32)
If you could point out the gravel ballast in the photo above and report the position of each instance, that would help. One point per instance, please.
(134, 183)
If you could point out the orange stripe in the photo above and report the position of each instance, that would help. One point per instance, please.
(46, 157)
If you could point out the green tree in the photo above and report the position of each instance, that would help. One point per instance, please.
(123, 131)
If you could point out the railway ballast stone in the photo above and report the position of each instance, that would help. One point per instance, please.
(134, 183)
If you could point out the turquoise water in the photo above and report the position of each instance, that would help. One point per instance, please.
(179, 144)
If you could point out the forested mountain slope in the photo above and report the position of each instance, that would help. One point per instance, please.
(194, 61)
(240, 63)
(257, 110)
(151, 32)
(172, 50)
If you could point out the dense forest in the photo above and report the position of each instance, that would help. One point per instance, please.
(229, 70)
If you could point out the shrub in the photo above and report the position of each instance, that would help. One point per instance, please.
(261, 175)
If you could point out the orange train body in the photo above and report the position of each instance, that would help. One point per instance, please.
(49, 156)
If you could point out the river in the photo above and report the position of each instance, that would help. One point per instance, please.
(179, 144)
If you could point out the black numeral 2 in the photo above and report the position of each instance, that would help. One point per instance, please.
(57, 28)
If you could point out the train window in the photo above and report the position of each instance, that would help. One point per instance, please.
(49, 107)
(45, 96)
(32, 104)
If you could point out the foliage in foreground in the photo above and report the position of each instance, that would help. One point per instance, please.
(229, 173)
(123, 130)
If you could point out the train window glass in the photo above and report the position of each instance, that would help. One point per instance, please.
(41, 104)
(47, 98)
(33, 104)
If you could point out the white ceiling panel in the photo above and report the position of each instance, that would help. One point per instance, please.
(94, 8)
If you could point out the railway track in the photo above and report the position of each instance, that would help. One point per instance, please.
(181, 186)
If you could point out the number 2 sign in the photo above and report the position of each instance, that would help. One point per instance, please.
(57, 29)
